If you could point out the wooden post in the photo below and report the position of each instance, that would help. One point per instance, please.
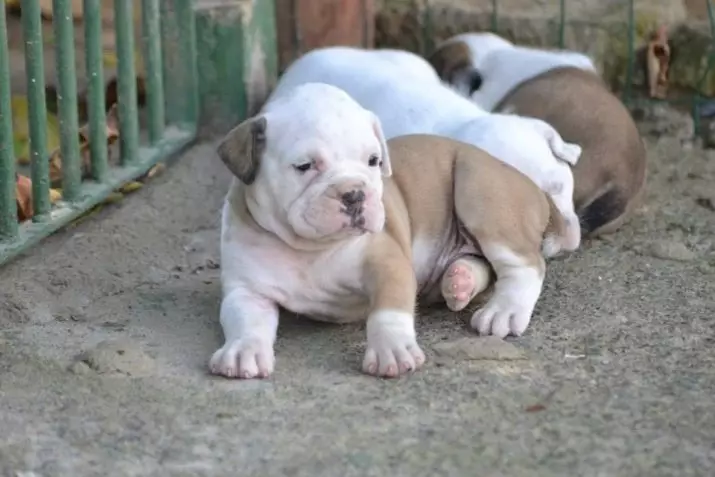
(307, 24)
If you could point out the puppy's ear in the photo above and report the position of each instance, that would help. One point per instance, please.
(242, 148)
(449, 59)
(385, 164)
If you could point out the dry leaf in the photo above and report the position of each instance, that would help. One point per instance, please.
(114, 197)
(112, 132)
(23, 197)
(535, 408)
(130, 187)
(157, 169)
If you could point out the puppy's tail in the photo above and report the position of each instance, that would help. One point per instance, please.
(566, 151)
(604, 213)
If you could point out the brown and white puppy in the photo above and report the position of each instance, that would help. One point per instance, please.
(564, 89)
(326, 219)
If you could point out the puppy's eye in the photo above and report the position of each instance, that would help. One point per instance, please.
(374, 160)
(303, 167)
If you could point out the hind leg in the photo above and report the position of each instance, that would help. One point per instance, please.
(508, 218)
(463, 280)
(519, 282)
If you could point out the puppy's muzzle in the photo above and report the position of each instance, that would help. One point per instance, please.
(353, 206)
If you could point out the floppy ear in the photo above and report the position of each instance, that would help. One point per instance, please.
(450, 58)
(242, 148)
(385, 164)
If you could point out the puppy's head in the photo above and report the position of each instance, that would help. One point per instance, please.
(458, 61)
(312, 163)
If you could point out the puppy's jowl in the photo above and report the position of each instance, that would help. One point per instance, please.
(324, 219)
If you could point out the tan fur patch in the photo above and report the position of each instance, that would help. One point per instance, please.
(610, 175)
(450, 58)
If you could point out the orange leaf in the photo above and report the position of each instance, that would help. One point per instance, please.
(23, 197)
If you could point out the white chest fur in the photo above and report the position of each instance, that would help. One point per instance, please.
(325, 285)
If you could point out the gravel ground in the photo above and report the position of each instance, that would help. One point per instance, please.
(106, 329)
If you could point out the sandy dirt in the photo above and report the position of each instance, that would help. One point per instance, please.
(106, 329)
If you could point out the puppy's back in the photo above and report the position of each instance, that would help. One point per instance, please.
(424, 168)
(610, 175)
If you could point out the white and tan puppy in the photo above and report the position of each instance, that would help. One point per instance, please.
(326, 219)
(423, 105)
(564, 89)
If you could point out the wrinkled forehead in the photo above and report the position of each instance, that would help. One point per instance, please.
(331, 127)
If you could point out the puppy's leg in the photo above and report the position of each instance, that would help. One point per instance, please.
(463, 280)
(249, 326)
(392, 347)
(508, 224)
(566, 151)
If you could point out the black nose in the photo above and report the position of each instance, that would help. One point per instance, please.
(353, 197)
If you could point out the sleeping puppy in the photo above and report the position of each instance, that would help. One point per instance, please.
(564, 89)
(327, 219)
(421, 104)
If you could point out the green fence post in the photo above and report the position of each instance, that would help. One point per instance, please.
(151, 35)
(495, 16)
(95, 88)
(631, 46)
(126, 82)
(67, 98)
(237, 61)
(562, 23)
(178, 43)
(8, 209)
(36, 108)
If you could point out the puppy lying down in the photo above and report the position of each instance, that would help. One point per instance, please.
(405, 93)
(564, 89)
(327, 219)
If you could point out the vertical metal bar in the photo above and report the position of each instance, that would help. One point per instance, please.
(92, 10)
(427, 33)
(36, 108)
(178, 29)
(67, 98)
(8, 205)
(126, 82)
(151, 36)
(562, 24)
(495, 16)
(631, 54)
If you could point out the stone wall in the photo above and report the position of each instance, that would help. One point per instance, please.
(417, 25)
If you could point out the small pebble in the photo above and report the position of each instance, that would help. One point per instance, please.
(671, 250)
(118, 357)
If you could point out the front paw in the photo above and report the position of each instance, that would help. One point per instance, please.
(243, 358)
(392, 348)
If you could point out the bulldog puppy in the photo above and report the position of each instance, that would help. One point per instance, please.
(421, 104)
(327, 219)
(564, 89)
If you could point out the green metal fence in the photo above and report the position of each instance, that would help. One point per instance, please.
(168, 50)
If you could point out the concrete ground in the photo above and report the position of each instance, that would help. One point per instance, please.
(107, 327)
